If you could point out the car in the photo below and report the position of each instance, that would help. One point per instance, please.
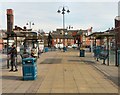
(74, 46)
(69, 46)
(59, 46)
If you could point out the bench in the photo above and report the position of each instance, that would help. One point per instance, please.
(103, 55)
(96, 51)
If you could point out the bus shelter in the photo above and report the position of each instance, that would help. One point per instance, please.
(24, 38)
(105, 39)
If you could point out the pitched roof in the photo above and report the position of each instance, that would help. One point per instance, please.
(60, 36)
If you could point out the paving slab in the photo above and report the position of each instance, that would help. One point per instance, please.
(68, 74)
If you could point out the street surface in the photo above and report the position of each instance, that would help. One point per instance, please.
(60, 72)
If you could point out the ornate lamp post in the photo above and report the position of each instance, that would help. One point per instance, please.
(63, 10)
(69, 27)
(30, 24)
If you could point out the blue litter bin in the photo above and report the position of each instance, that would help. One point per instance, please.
(29, 68)
(46, 49)
(82, 53)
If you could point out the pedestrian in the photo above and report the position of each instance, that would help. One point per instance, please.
(13, 56)
(34, 53)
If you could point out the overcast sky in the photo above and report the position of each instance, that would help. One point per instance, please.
(83, 15)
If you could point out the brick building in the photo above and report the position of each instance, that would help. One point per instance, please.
(117, 30)
(2, 35)
(66, 37)
(59, 39)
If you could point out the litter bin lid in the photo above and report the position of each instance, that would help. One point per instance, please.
(29, 61)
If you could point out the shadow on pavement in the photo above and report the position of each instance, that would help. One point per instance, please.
(73, 56)
(12, 77)
(75, 61)
(113, 79)
(88, 61)
(51, 61)
(85, 61)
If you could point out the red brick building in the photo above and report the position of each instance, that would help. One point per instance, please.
(2, 35)
(66, 37)
(117, 30)
(59, 39)
(10, 20)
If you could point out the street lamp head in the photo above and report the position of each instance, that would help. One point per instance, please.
(68, 11)
(63, 12)
(58, 11)
(26, 23)
(32, 23)
(63, 9)
(69, 27)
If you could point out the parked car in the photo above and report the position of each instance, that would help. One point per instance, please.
(69, 46)
(59, 46)
(74, 46)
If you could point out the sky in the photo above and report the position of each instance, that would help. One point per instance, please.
(83, 15)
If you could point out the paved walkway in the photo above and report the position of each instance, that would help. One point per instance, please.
(110, 71)
(61, 72)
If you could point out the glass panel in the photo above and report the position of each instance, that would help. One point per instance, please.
(112, 51)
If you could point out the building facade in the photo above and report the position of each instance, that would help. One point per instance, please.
(66, 37)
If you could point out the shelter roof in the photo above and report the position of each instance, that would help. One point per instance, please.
(99, 35)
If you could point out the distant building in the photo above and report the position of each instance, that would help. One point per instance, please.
(117, 21)
(60, 38)
(117, 30)
(2, 35)
(67, 37)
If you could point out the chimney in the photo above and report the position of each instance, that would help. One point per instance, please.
(10, 20)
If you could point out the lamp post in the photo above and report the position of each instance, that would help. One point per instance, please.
(30, 24)
(63, 10)
(69, 27)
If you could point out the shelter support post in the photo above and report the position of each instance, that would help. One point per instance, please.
(7, 51)
(108, 50)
